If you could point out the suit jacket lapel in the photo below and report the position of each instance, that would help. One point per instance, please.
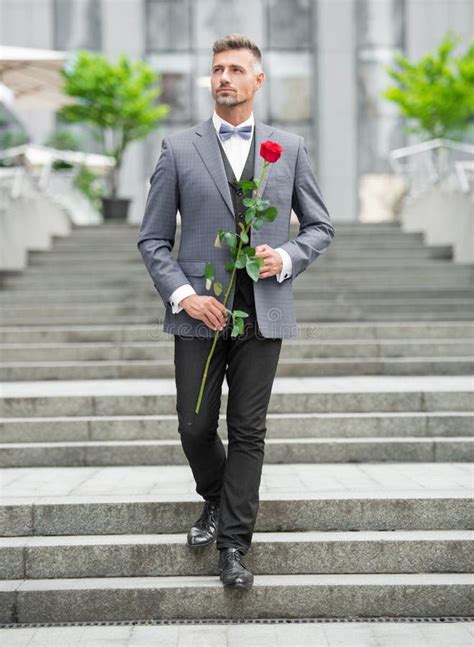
(208, 148)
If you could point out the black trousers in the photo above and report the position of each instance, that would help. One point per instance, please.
(249, 363)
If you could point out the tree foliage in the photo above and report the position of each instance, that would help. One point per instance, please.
(119, 100)
(437, 92)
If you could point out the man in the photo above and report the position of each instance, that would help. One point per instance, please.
(197, 174)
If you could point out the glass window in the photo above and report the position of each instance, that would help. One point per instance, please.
(217, 18)
(289, 24)
(379, 23)
(376, 137)
(290, 86)
(167, 25)
(77, 25)
(176, 84)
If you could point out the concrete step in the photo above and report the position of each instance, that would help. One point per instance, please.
(356, 394)
(355, 258)
(345, 238)
(280, 450)
(280, 553)
(287, 367)
(146, 311)
(295, 596)
(351, 251)
(291, 349)
(137, 270)
(369, 285)
(323, 331)
(281, 425)
(51, 295)
(362, 268)
(128, 250)
(153, 317)
(293, 497)
(343, 235)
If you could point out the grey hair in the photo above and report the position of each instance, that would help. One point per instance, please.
(239, 41)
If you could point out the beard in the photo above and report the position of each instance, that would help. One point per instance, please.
(230, 100)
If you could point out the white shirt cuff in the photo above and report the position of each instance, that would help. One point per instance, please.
(178, 295)
(287, 268)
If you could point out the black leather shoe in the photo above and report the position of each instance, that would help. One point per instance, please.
(204, 531)
(233, 572)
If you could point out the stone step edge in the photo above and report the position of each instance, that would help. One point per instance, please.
(172, 498)
(222, 416)
(171, 511)
(302, 325)
(301, 536)
(283, 360)
(291, 342)
(268, 441)
(343, 580)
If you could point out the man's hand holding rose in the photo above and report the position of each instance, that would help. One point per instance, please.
(273, 261)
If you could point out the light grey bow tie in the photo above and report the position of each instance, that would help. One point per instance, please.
(226, 131)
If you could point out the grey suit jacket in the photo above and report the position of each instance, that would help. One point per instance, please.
(190, 178)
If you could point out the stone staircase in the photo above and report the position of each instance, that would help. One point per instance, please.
(366, 494)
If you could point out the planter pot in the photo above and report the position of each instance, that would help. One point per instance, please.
(115, 208)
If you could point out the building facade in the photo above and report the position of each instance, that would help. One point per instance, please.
(323, 60)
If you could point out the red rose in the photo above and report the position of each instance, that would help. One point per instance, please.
(271, 151)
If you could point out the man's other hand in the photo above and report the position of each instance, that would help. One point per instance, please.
(207, 309)
(273, 261)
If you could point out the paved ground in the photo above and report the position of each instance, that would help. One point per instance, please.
(354, 634)
(361, 383)
(175, 482)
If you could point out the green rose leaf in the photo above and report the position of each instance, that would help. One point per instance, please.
(248, 251)
(209, 271)
(241, 261)
(235, 331)
(253, 269)
(217, 287)
(240, 313)
(257, 223)
(229, 266)
(243, 236)
(240, 325)
(247, 185)
(248, 202)
(260, 261)
(249, 214)
(262, 204)
(230, 239)
(269, 214)
(217, 242)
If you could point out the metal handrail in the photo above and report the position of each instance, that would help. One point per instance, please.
(56, 154)
(28, 153)
(424, 147)
(462, 170)
(17, 173)
(434, 170)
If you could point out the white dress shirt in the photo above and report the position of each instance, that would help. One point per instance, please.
(237, 150)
